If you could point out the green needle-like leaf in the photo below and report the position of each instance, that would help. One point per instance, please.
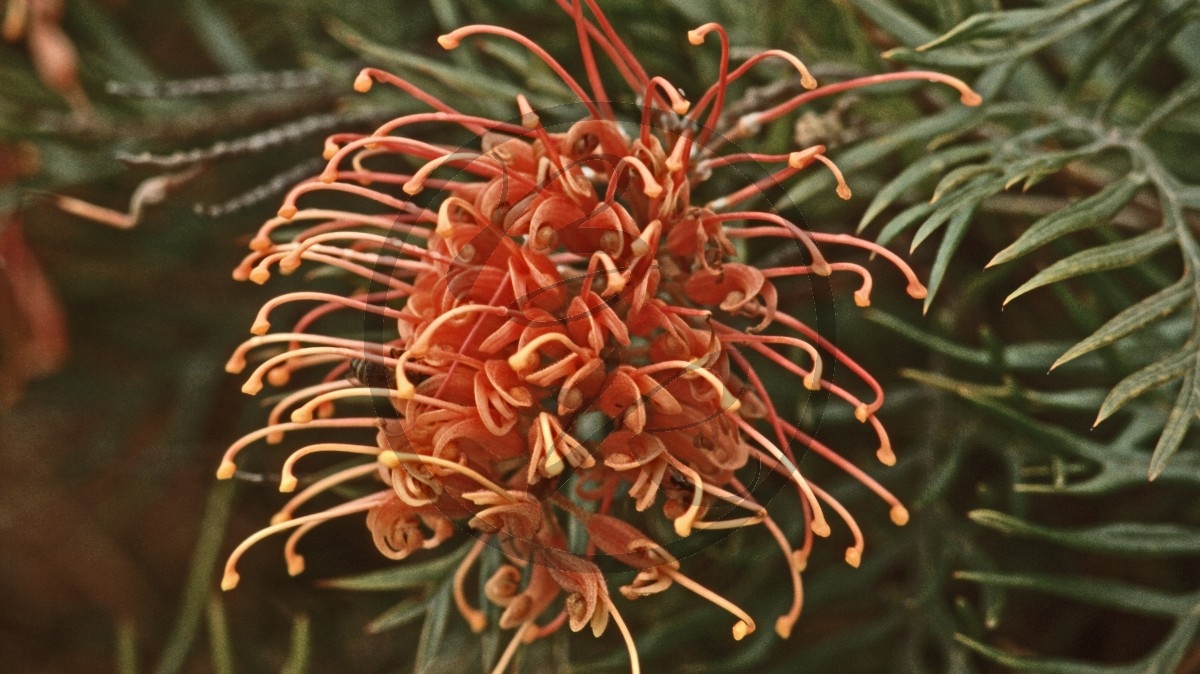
(126, 651)
(1151, 376)
(1093, 211)
(962, 175)
(1123, 538)
(1101, 258)
(903, 220)
(1108, 593)
(401, 576)
(895, 21)
(1136, 317)
(397, 616)
(954, 236)
(980, 42)
(933, 164)
(1178, 421)
(301, 646)
(220, 645)
(966, 198)
(437, 616)
(1037, 665)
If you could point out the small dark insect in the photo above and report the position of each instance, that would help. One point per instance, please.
(677, 480)
(369, 373)
(365, 372)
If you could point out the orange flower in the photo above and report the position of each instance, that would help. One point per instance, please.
(567, 336)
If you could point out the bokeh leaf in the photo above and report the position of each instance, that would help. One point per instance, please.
(401, 576)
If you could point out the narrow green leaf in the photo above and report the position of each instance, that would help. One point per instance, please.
(491, 643)
(1096, 50)
(403, 576)
(220, 38)
(1122, 538)
(220, 646)
(1151, 376)
(1171, 652)
(959, 119)
(449, 17)
(1070, 400)
(1165, 29)
(114, 53)
(903, 220)
(1027, 354)
(991, 25)
(1101, 258)
(896, 22)
(1110, 593)
(1153, 308)
(477, 85)
(1184, 95)
(200, 578)
(1121, 466)
(397, 616)
(946, 347)
(1034, 664)
(987, 50)
(959, 176)
(1033, 169)
(954, 236)
(992, 598)
(1178, 421)
(933, 164)
(299, 653)
(127, 659)
(1093, 211)
(967, 198)
(437, 616)
(1046, 434)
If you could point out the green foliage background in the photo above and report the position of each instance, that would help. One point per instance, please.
(1037, 544)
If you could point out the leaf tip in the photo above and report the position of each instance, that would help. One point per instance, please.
(998, 258)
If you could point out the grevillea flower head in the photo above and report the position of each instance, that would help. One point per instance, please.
(569, 337)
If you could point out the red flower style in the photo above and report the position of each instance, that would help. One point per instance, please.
(566, 334)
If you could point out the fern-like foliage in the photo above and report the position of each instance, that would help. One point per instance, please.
(1084, 468)
(1106, 127)
(1085, 134)
(1045, 461)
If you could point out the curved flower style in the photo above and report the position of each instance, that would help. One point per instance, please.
(562, 282)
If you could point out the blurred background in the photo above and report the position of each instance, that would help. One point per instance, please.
(142, 143)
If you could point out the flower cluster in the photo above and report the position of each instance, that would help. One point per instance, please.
(570, 338)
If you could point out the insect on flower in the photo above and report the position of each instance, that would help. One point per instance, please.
(559, 281)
